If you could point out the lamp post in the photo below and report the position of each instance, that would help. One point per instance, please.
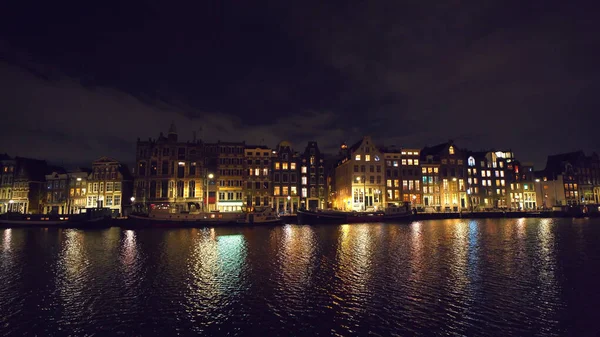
(132, 200)
(541, 193)
(208, 177)
(10, 207)
(290, 204)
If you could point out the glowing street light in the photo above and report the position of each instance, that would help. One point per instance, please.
(132, 199)
(209, 176)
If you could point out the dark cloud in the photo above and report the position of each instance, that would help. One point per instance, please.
(488, 74)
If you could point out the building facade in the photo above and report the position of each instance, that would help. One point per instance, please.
(28, 186)
(447, 178)
(169, 171)
(570, 179)
(230, 176)
(393, 178)
(286, 183)
(412, 177)
(359, 178)
(313, 184)
(77, 183)
(7, 175)
(56, 193)
(110, 185)
(488, 176)
(258, 189)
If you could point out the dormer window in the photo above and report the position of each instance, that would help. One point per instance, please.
(357, 157)
(451, 150)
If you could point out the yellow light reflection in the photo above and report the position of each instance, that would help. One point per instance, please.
(129, 251)
(354, 255)
(296, 255)
(7, 240)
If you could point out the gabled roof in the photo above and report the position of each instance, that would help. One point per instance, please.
(105, 160)
(555, 163)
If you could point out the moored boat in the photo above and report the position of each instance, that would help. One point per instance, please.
(170, 217)
(91, 218)
(391, 214)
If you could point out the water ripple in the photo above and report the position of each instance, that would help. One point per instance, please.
(431, 278)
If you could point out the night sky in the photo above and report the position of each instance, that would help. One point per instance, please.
(79, 82)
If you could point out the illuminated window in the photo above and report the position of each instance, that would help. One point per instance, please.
(265, 171)
(294, 190)
(292, 166)
(403, 152)
(435, 170)
(416, 161)
(389, 183)
(367, 157)
(284, 190)
(483, 182)
(304, 180)
(304, 192)
(357, 157)
(451, 150)
(277, 165)
(396, 183)
(395, 163)
(403, 161)
(256, 171)
(410, 162)
(303, 169)
(284, 166)
(424, 169)
(276, 190)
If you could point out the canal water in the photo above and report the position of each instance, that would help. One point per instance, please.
(501, 277)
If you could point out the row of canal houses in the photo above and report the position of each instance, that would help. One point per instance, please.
(33, 186)
(228, 176)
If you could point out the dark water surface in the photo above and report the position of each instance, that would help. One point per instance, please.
(517, 277)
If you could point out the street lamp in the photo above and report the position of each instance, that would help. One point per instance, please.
(11, 202)
(209, 176)
(132, 199)
(289, 203)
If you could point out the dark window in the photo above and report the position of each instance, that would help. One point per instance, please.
(142, 169)
(154, 168)
(257, 185)
(355, 168)
(180, 189)
(192, 189)
(284, 178)
(248, 185)
(180, 171)
(181, 153)
(193, 169)
(164, 188)
(153, 189)
(257, 201)
(165, 167)
(276, 177)
(293, 178)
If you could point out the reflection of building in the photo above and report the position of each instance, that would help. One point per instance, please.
(110, 185)
(312, 177)
(285, 178)
(570, 179)
(258, 188)
(412, 177)
(359, 178)
(443, 170)
(169, 171)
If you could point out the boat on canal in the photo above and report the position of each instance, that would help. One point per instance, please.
(169, 216)
(390, 214)
(91, 218)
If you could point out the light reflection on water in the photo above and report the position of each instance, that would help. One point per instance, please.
(450, 277)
